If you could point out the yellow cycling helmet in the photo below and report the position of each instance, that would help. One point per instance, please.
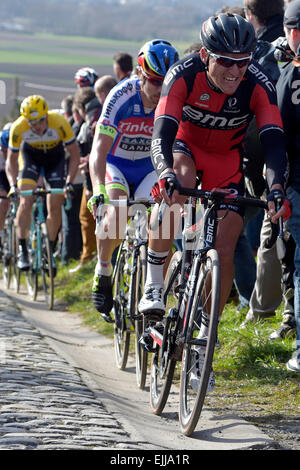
(34, 107)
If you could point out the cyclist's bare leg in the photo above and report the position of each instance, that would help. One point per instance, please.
(185, 170)
(54, 204)
(23, 217)
(160, 241)
(229, 230)
(3, 208)
(113, 227)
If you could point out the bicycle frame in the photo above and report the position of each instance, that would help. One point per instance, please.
(207, 240)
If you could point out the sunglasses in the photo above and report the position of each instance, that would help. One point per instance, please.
(229, 62)
(34, 122)
(152, 80)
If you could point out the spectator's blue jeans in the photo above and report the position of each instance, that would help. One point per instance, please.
(245, 269)
(294, 226)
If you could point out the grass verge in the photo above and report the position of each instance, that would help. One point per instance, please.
(251, 375)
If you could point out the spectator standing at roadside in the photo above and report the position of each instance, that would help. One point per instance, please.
(89, 109)
(267, 19)
(123, 65)
(289, 105)
(102, 87)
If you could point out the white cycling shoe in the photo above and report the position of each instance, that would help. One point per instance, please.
(152, 300)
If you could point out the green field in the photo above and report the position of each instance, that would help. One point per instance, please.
(46, 49)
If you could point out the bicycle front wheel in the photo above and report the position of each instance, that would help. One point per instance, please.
(10, 271)
(205, 298)
(163, 360)
(120, 294)
(32, 274)
(47, 268)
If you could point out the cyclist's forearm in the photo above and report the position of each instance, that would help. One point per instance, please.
(97, 162)
(162, 142)
(11, 167)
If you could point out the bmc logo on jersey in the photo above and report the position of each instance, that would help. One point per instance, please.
(178, 68)
(261, 76)
(211, 121)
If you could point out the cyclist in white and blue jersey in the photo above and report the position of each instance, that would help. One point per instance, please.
(120, 162)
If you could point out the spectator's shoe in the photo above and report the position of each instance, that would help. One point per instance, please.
(23, 260)
(293, 364)
(197, 361)
(80, 265)
(102, 296)
(252, 317)
(286, 329)
(152, 303)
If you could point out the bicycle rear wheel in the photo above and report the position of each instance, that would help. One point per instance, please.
(120, 294)
(205, 298)
(47, 268)
(141, 356)
(163, 363)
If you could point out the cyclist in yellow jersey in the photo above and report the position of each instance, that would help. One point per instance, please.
(36, 146)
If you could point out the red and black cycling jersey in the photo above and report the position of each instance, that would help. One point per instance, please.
(192, 110)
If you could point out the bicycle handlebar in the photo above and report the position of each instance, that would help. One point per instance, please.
(43, 192)
(224, 197)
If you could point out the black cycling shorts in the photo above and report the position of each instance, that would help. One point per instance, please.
(4, 184)
(50, 164)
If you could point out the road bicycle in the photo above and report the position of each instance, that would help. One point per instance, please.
(41, 259)
(9, 244)
(192, 291)
(128, 279)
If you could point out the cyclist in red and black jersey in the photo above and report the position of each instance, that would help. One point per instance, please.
(206, 104)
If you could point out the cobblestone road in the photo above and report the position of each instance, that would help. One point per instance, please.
(44, 403)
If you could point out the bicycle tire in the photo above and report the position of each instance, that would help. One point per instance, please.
(191, 402)
(10, 270)
(162, 364)
(141, 356)
(121, 332)
(32, 274)
(47, 268)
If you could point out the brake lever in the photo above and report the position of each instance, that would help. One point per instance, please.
(162, 208)
(99, 215)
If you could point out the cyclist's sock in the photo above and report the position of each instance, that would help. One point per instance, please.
(155, 266)
(203, 331)
(23, 244)
(52, 245)
(104, 268)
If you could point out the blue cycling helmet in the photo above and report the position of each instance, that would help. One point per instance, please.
(155, 58)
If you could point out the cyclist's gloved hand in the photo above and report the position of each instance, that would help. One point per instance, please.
(94, 200)
(276, 195)
(14, 191)
(167, 181)
(155, 193)
(69, 190)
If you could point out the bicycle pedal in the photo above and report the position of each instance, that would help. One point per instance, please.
(154, 315)
(137, 317)
(147, 343)
(107, 317)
